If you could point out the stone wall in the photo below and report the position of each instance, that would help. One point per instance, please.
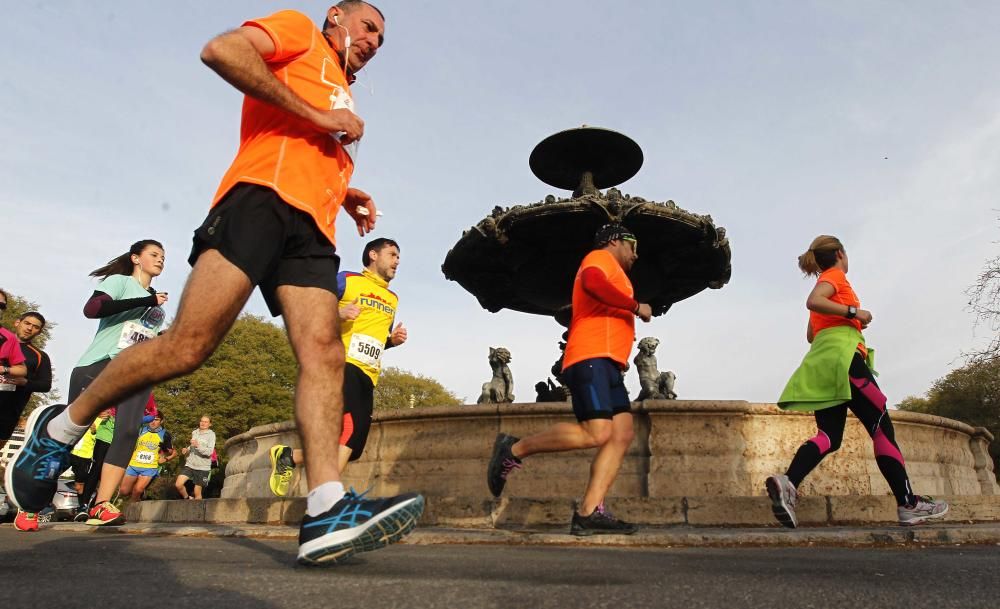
(682, 449)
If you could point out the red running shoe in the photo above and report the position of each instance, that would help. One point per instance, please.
(105, 514)
(26, 521)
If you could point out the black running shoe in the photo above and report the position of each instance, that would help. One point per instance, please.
(600, 522)
(502, 463)
(355, 524)
(34, 469)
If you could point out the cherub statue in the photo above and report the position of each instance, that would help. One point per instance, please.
(500, 389)
(655, 385)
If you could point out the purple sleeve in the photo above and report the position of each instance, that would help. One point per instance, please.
(103, 305)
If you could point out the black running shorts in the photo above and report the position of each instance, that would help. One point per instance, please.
(359, 398)
(269, 240)
(598, 389)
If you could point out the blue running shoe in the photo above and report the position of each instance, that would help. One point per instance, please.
(355, 524)
(32, 473)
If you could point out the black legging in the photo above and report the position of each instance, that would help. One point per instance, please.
(868, 404)
(128, 419)
(94, 477)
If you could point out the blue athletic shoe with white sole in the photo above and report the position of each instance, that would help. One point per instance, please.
(355, 524)
(34, 469)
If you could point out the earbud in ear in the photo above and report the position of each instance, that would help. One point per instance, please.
(336, 21)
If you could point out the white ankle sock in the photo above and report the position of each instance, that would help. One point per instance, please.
(63, 429)
(322, 498)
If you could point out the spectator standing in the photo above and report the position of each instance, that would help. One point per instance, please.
(198, 465)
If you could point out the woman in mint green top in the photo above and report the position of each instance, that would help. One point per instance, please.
(129, 311)
(835, 376)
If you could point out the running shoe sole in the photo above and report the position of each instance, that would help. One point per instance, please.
(782, 511)
(582, 532)
(8, 475)
(97, 522)
(923, 519)
(387, 528)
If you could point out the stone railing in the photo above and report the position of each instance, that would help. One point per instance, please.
(681, 449)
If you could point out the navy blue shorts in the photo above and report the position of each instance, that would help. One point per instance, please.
(598, 389)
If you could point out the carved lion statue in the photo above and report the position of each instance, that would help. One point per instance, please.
(655, 385)
(500, 388)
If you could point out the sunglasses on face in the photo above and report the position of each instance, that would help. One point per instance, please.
(3, 306)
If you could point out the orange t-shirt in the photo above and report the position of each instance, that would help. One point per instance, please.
(597, 330)
(843, 294)
(308, 169)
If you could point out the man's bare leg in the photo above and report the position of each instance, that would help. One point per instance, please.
(343, 457)
(565, 436)
(128, 483)
(313, 329)
(607, 462)
(141, 484)
(180, 485)
(213, 297)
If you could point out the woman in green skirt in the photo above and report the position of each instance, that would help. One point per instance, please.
(836, 376)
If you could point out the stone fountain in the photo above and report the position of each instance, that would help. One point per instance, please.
(525, 257)
(692, 462)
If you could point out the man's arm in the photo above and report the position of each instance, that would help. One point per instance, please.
(42, 383)
(19, 370)
(596, 284)
(238, 57)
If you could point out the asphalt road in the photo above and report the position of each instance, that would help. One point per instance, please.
(78, 569)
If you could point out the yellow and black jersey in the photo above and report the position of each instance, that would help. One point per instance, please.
(366, 337)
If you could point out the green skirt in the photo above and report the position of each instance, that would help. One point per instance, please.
(822, 379)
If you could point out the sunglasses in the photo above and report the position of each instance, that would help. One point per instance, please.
(3, 306)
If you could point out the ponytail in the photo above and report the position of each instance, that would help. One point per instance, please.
(122, 265)
(821, 255)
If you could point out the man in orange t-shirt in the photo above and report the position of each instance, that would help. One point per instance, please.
(271, 225)
(601, 334)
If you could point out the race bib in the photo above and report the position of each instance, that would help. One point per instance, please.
(145, 457)
(341, 99)
(365, 349)
(134, 332)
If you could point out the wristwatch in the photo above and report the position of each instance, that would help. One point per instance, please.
(852, 312)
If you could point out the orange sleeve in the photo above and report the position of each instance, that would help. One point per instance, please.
(290, 31)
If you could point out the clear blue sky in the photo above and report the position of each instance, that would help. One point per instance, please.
(878, 122)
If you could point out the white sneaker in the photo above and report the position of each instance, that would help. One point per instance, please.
(926, 508)
(783, 496)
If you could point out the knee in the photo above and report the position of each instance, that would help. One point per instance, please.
(624, 436)
(186, 352)
(598, 436)
(321, 354)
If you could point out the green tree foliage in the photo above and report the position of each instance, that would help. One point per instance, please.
(970, 394)
(16, 307)
(248, 381)
(395, 388)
